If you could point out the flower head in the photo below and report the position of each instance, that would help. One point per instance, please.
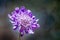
(22, 19)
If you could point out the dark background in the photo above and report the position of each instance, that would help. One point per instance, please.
(47, 11)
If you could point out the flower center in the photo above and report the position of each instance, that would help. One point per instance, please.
(25, 23)
(24, 20)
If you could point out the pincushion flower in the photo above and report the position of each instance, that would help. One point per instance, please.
(22, 19)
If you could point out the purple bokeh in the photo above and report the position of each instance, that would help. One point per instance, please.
(23, 20)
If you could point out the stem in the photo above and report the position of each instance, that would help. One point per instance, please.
(19, 37)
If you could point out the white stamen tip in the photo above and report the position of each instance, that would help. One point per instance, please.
(33, 16)
(29, 10)
(17, 8)
(37, 20)
(30, 31)
(12, 21)
(14, 27)
(38, 25)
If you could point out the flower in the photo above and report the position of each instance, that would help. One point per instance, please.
(22, 19)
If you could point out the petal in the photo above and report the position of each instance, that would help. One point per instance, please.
(26, 30)
(28, 11)
(30, 31)
(22, 9)
(14, 27)
(21, 32)
(33, 17)
(12, 21)
(17, 8)
(37, 20)
(38, 25)
(30, 14)
(10, 17)
(34, 27)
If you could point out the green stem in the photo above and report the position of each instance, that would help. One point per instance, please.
(19, 37)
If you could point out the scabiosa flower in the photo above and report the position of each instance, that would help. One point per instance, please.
(22, 19)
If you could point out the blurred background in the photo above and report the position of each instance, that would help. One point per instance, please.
(47, 11)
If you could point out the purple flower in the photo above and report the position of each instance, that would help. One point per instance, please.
(23, 20)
